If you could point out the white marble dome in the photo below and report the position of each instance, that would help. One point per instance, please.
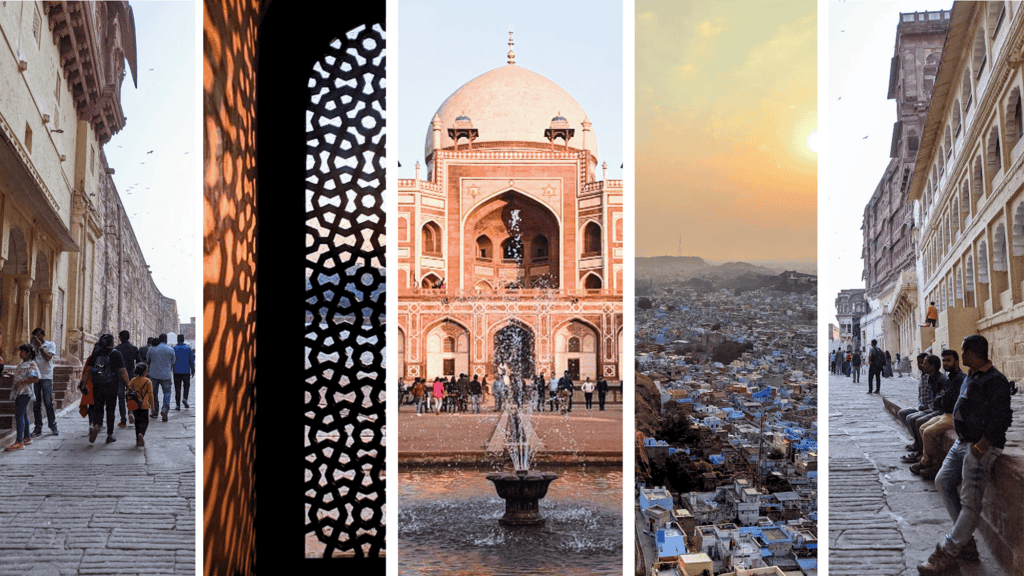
(511, 103)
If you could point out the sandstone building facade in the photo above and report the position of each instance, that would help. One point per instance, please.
(510, 237)
(69, 259)
(888, 250)
(968, 187)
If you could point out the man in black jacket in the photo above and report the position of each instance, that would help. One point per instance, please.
(876, 360)
(981, 416)
(931, 431)
(602, 391)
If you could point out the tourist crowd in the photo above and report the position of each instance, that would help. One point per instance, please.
(462, 394)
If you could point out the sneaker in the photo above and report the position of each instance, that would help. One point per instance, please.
(13, 447)
(178, 407)
(37, 432)
(54, 431)
(122, 424)
(131, 418)
(93, 433)
(185, 402)
(139, 441)
(111, 439)
(26, 441)
(911, 458)
(940, 562)
(163, 416)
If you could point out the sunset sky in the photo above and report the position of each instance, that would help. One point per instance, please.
(726, 100)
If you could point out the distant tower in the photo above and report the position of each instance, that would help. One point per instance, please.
(679, 250)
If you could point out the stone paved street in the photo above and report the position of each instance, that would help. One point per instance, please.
(883, 520)
(70, 507)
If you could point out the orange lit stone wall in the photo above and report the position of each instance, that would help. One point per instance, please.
(229, 285)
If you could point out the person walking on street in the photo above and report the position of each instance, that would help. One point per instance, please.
(141, 388)
(107, 368)
(981, 416)
(876, 359)
(131, 355)
(184, 370)
(161, 358)
(855, 366)
(150, 342)
(45, 350)
(602, 392)
(25, 375)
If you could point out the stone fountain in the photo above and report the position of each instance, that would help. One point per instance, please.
(521, 489)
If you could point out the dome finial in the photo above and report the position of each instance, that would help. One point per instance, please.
(511, 54)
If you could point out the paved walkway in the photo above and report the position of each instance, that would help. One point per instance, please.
(883, 520)
(71, 507)
(449, 435)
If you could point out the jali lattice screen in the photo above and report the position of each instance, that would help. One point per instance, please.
(344, 374)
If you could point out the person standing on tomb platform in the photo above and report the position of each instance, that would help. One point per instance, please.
(475, 390)
(184, 370)
(499, 392)
(419, 391)
(602, 392)
(131, 355)
(161, 358)
(981, 416)
(45, 350)
(553, 393)
(438, 395)
(540, 389)
(588, 392)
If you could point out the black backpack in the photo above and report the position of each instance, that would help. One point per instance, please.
(102, 371)
(877, 358)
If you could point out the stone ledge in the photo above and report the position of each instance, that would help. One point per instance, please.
(1002, 526)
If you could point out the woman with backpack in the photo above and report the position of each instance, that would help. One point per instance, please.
(105, 365)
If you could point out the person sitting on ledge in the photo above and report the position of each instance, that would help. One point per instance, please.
(931, 432)
(981, 416)
(925, 398)
(931, 318)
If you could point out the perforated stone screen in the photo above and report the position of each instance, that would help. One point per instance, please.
(345, 310)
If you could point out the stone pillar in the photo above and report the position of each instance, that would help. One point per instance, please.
(10, 299)
(21, 332)
(45, 312)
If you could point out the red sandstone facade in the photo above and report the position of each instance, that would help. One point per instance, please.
(525, 241)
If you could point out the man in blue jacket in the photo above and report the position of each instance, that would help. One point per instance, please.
(981, 417)
(184, 370)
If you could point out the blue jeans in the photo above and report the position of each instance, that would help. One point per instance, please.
(961, 482)
(475, 399)
(166, 385)
(44, 397)
(21, 415)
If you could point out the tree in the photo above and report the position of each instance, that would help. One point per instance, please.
(644, 303)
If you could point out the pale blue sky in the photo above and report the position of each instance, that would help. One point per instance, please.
(440, 46)
(162, 117)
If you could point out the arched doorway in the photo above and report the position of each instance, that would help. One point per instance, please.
(521, 234)
(513, 347)
(576, 350)
(447, 350)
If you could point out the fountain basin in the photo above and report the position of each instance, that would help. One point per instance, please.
(522, 492)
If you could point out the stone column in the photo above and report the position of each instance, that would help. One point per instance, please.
(45, 313)
(21, 332)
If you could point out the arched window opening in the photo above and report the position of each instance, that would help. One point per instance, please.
(999, 249)
(993, 158)
(959, 284)
(574, 344)
(977, 187)
(965, 203)
(484, 248)
(979, 57)
(449, 345)
(592, 282)
(1014, 126)
(948, 141)
(965, 88)
(956, 118)
(432, 239)
(983, 263)
(540, 247)
(1018, 230)
(955, 217)
(969, 274)
(591, 239)
(512, 249)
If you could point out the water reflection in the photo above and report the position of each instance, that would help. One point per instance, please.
(448, 524)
